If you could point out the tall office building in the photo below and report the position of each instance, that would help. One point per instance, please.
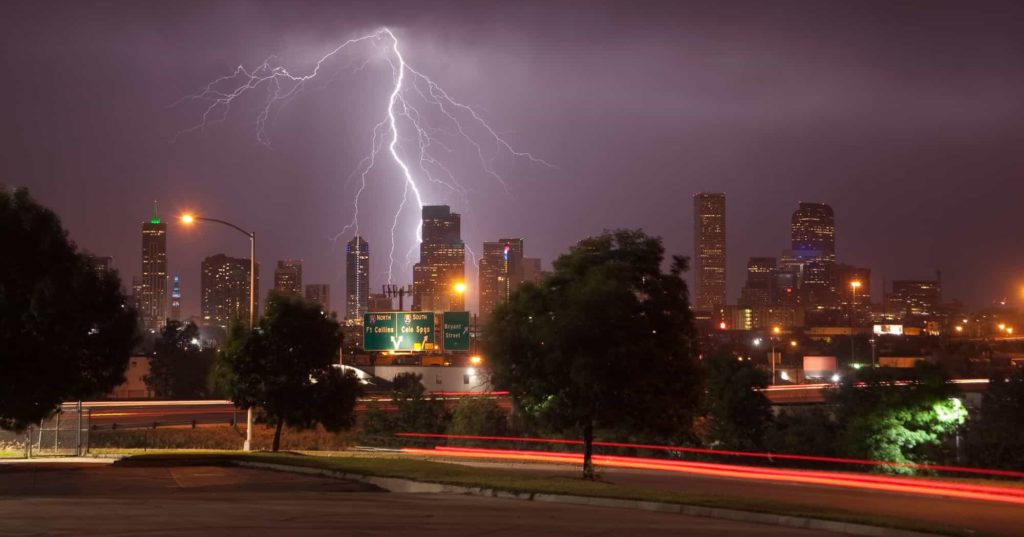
(442, 262)
(709, 250)
(100, 263)
(915, 300)
(136, 297)
(224, 289)
(319, 293)
(176, 298)
(357, 278)
(759, 289)
(153, 300)
(814, 246)
(501, 271)
(288, 277)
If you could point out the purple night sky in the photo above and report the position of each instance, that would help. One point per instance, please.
(906, 117)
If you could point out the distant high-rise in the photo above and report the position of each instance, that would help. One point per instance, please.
(136, 298)
(442, 262)
(288, 277)
(814, 245)
(915, 300)
(100, 263)
(380, 302)
(709, 250)
(357, 278)
(501, 271)
(814, 231)
(224, 289)
(153, 301)
(759, 289)
(176, 298)
(319, 293)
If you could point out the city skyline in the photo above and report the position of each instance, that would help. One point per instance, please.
(914, 162)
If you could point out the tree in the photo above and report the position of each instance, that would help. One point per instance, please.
(738, 413)
(606, 341)
(995, 438)
(180, 366)
(416, 412)
(288, 367)
(899, 416)
(66, 330)
(478, 416)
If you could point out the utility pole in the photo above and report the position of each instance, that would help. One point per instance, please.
(391, 290)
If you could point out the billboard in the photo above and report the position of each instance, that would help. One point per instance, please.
(398, 331)
(888, 329)
(455, 327)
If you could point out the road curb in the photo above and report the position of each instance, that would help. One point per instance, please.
(409, 486)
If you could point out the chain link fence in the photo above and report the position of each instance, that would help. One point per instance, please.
(65, 434)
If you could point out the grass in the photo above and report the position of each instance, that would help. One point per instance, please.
(520, 482)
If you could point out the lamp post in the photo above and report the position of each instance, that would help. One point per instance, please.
(854, 285)
(776, 330)
(189, 219)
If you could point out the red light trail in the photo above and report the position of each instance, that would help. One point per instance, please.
(706, 451)
(877, 483)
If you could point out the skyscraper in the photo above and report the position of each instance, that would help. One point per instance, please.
(176, 298)
(153, 301)
(915, 301)
(319, 293)
(501, 271)
(288, 277)
(709, 250)
(100, 263)
(759, 289)
(357, 278)
(442, 262)
(814, 246)
(225, 290)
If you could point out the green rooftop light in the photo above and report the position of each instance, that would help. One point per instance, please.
(154, 221)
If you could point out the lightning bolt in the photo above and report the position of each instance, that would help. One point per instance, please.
(412, 90)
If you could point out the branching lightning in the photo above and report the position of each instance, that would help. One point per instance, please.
(411, 89)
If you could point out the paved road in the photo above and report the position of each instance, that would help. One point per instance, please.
(90, 499)
(981, 517)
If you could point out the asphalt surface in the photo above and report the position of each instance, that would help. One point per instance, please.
(94, 499)
(981, 517)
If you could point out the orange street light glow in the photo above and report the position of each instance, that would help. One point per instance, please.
(855, 284)
(776, 330)
(187, 218)
(475, 360)
(459, 288)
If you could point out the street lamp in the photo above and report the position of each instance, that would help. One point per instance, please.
(189, 219)
(776, 330)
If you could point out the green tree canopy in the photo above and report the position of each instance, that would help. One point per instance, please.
(179, 367)
(288, 367)
(995, 437)
(606, 341)
(895, 415)
(66, 329)
(738, 413)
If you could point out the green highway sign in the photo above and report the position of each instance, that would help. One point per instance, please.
(455, 326)
(398, 331)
